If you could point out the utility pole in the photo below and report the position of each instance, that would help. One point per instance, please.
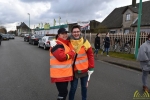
(138, 29)
(29, 22)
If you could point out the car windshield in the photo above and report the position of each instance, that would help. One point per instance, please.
(27, 35)
(38, 36)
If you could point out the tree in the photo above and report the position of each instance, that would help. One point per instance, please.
(3, 29)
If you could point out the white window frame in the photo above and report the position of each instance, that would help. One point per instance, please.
(128, 17)
(126, 31)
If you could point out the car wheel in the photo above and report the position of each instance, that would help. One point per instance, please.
(44, 47)
(38, 45)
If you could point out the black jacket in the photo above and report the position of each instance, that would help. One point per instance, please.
(107, 42)
(97, 43)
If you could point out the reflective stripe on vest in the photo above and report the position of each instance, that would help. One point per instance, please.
(60, 69)
(80, 55)
(52, 57)
(60, 66)
(81, 61)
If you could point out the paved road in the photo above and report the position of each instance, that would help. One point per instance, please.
(24, 75)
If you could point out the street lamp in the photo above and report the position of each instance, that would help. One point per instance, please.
(29, 21)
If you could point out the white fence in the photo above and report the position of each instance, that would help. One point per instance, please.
(123, 38)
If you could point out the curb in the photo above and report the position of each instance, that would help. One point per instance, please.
(124, 65)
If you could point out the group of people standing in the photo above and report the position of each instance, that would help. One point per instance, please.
(106, 42)
(71, 59)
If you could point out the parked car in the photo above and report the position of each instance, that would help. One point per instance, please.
(22, 35)
(34, 39)
(11, 36)
(45, 41)
(26, 37)
(5, 36)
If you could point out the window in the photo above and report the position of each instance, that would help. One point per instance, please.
(126, 31)
(128, 17)
(112, 31)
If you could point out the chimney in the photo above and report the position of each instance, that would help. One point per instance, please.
(133, 3)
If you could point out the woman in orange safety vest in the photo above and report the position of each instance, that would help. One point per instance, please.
(84, 62)
(61, 58)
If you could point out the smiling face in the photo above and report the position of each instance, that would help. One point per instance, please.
(76, 33)
(63, 36)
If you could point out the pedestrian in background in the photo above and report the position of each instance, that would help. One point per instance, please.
(61, 57)
(107, 44)
(84, 62)
(97, 44)
(144, 58)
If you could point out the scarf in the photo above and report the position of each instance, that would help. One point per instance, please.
(77, 44)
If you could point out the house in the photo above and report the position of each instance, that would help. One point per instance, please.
(22, 29)
(124, 19)
(92, 23)
(51, 30)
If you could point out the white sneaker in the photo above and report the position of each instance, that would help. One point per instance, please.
(107, 55)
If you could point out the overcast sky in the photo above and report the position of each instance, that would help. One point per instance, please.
(13, 12)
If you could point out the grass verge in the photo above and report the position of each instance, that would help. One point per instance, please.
(120, 55)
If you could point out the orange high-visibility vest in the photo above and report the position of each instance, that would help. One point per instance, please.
(60, 69)
(81, 62)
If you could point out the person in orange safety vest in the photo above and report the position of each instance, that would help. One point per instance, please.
(84, 62)
(61, 58)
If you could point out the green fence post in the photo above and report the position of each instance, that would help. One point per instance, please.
(138, 29)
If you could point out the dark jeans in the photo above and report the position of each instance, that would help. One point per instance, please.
(144, 77)
(96, 51)
(74, 85)
(62, 89)
(107, 50)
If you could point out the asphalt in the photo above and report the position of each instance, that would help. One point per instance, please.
(135, 65)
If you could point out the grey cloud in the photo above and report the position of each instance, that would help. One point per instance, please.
(78, 6)
(28, 1)
(70, 10)
(74, 10)
(8, 16)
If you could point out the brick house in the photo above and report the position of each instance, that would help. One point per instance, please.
(124, 19)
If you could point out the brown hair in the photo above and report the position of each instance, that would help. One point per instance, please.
(76, 26)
